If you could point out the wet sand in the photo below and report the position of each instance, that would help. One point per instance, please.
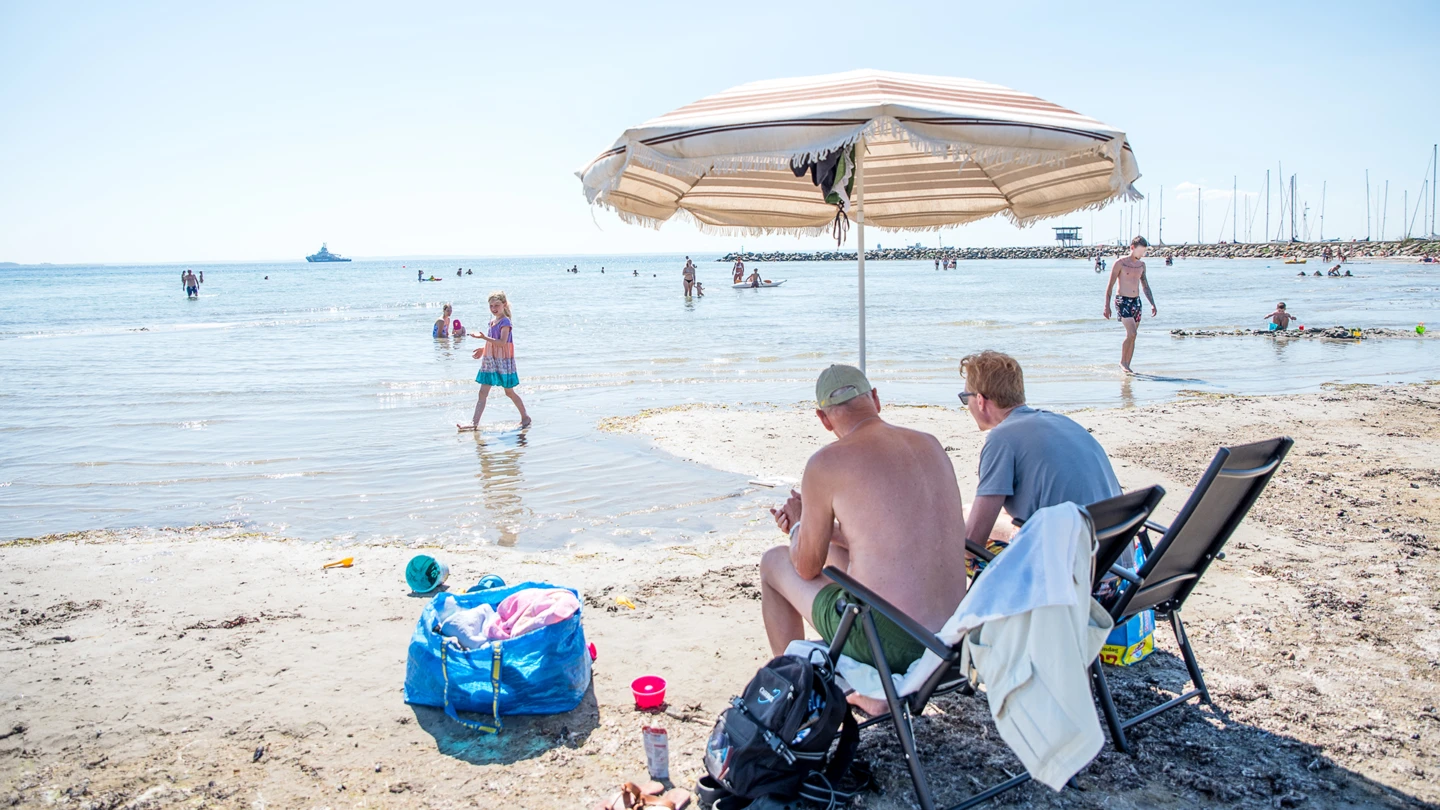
(214, 667)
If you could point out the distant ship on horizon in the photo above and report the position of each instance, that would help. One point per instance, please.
(325, 255)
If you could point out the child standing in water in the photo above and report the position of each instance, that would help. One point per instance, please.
(497, 362)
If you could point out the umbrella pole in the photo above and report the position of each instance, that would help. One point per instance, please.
(860, 236)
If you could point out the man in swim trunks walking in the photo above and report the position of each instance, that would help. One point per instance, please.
(880, 503)
(1129, 271)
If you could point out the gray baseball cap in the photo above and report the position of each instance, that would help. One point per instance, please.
(839, 384)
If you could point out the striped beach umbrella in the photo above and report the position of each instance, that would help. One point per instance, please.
(896, 151)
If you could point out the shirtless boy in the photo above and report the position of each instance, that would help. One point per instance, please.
(1280, 319)
(1129, 271)
(882, 504)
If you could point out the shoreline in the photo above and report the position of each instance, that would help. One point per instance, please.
(1409, 248)
(1319, 635)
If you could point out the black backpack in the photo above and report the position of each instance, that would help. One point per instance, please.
(775, 738)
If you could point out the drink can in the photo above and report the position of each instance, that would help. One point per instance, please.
(657, 752)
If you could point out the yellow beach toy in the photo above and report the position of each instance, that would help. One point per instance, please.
(345, 563)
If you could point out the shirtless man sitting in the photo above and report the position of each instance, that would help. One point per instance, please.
(1130, 273)
(754, 279)
(882, 504)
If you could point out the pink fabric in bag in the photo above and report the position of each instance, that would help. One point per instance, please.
(531, 609)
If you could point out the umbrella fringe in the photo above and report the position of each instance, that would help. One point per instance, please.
(1129, 195)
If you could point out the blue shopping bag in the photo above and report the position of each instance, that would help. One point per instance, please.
(546, 671)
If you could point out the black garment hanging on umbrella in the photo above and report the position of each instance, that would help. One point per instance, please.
(834, 173)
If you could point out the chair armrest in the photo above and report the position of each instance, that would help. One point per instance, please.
(982, 553)
(1125, 574)
(1156, 527)
(871, 599)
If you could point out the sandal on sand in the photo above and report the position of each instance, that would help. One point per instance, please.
(636, 797)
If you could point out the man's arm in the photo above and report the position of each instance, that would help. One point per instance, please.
(1110, 285)
(984, 511)
(1145, 285)
(810, 546)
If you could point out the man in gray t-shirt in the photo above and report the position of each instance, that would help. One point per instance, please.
(1032, 458)
(1036, 459)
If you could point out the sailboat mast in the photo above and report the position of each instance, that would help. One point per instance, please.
(1292, 208)
(1385, 212)
(1267, 205)
(1322, 210)
(1234, 212)
(1367, 205)
(1162, 215)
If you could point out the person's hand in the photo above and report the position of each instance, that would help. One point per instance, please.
(1153, 311)
(1107, 312)
(788, 515)
(478, 353)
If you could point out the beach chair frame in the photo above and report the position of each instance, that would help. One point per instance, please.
(1164, 584)
(1121, 519)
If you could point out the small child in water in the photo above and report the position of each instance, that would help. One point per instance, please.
(1280, 319)
(699, 290)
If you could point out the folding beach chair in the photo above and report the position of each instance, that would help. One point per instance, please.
(1116, 522)
(1174, 565)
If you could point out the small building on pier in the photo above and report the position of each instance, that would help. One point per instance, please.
(1068, 237)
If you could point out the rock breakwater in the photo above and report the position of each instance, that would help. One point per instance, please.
(1327, 333)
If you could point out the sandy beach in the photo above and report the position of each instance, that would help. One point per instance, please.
(214, 667)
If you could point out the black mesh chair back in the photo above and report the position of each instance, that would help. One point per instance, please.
(1222, 498)
(1117, 520)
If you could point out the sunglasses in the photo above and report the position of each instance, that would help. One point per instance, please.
(965, 397)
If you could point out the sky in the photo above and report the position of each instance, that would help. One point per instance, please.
(145, 132)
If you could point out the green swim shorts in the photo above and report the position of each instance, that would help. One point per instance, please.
(900, 648)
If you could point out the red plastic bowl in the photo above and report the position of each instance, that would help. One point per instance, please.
(649, 691)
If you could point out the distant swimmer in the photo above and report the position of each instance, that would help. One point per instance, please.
(1280, 318)
(737, 273)
(1317, 274)
(458, 273)
(1169, 261)
(419, 275)
(202, 276)
(192, 284)
(1301, 274)
(754, 279)
(699, 290)
(1348, 274)
(1334, 271)
(469, 272)
(688, 276)
(1129, 272)
(635, 272)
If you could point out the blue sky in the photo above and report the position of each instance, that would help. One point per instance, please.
(189, 132)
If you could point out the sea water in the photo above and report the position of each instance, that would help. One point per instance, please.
(315, 404)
